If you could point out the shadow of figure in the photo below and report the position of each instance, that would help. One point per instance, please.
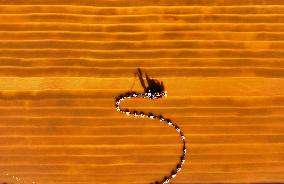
(153, 85)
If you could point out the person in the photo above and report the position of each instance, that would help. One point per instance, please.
(153, 85)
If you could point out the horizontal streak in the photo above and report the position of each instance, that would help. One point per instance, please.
(139, 45)
(115, 115)
(169, 35)
(137, 27)
(125, 179)
(54, 174)
(145, 137)
(139, 170)
(83, 136)
(147, 53)
(169, 102)
(145, 173)
(71, 87)
(140, 10)
(193, 111)
(155, 18)
(145, 106)
(141, 164)
(161, 62)
(196, 149)
(137, 50)
(207, 178)
(104, 122)
(115, 126)
(111, 3)
(135, 11)
(119, 73)
(39, 41)
(141, 50)
(122, 146)
(132, 176)
(140, 140)
(51, 67)
(127, 7)
(140, 32)
(170, 154)
(194, 157)
(118, 118)
(145, 14)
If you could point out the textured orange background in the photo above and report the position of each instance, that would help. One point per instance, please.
(62, 62)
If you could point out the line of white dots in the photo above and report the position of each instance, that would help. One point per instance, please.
(151, 116)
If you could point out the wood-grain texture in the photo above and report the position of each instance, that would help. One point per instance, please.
(62, 62)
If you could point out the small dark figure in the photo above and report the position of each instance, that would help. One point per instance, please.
(153, 89)
(154, 86)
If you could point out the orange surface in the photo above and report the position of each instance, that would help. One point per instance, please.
(62, 62)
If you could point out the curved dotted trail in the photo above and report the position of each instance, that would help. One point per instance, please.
(132, 94)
